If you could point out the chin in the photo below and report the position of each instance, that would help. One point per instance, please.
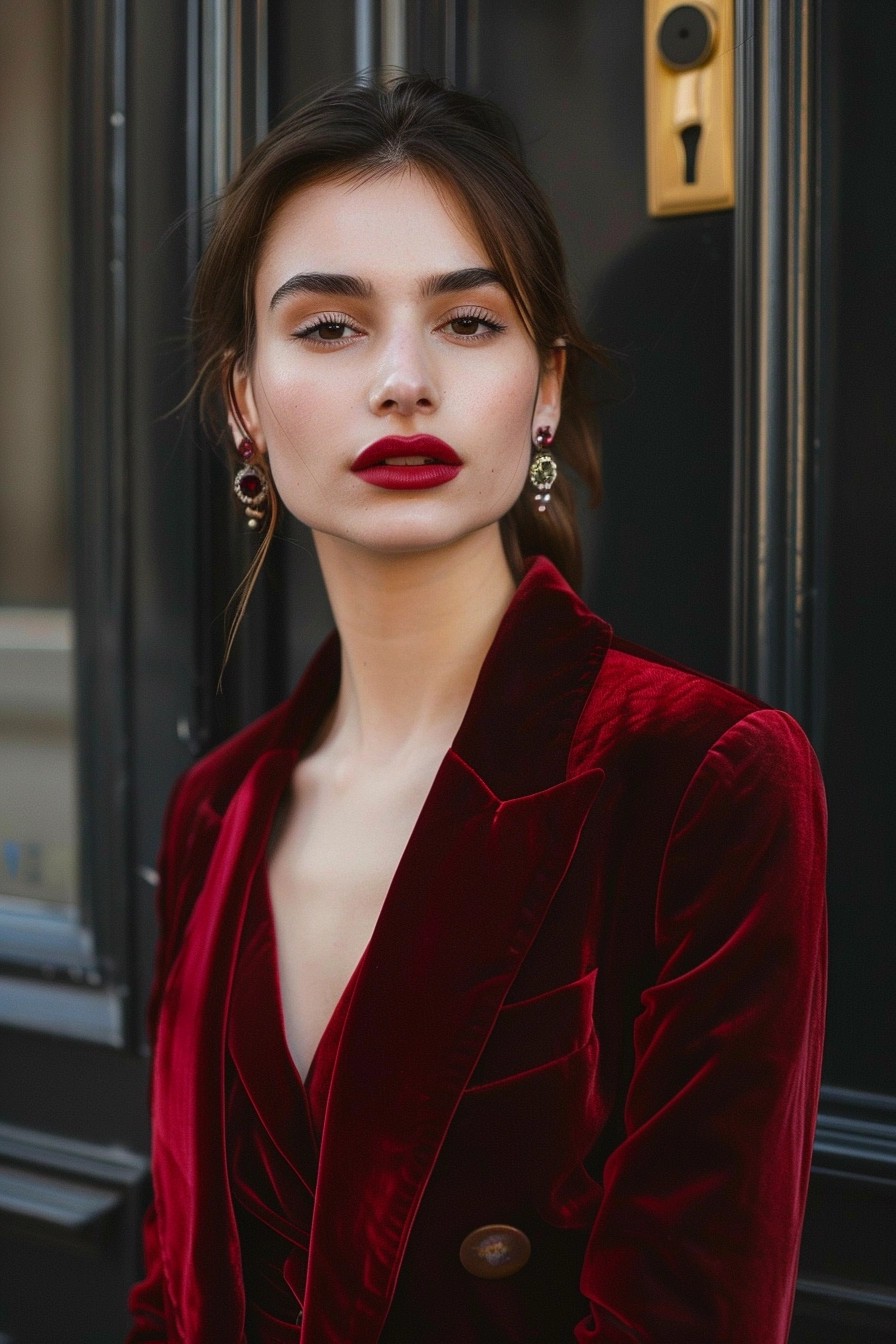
(413, 536)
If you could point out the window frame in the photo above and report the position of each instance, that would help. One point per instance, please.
(57, 972)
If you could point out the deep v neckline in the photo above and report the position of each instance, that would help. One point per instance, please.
(341, 1006)
(337, 1016)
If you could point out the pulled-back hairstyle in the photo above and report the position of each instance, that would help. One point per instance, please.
(463, 143)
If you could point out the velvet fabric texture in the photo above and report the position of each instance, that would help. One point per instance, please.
(275, 1122)
(592, 1008)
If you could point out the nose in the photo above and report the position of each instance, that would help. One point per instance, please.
(404, 383)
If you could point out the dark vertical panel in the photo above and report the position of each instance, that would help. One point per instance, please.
(312, 47)
(100, 475)
(658, 294)
(164, 462)
(777, 444)
(230, 103)
(311, 50)
(816, 557)
(859, 735)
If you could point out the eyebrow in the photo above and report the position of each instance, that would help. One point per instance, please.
(474, 277)
(352, 287)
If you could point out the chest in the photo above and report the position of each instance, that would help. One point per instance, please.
(332, 860)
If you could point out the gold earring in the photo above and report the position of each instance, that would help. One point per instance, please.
(250, 484)
(543, 468)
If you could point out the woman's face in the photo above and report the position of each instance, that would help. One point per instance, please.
(378, 317)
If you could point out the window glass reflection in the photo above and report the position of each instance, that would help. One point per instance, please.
(38, 826)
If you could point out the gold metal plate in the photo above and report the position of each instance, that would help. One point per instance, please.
(690, 106)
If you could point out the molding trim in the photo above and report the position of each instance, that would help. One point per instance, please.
(845, 1259)
(835, 1304)
(847, 1294)
(101, 478)
(393, 37)
(229, 100)
(234, 86)
(366, 39)
(774, 524)
(55, 1188)
(60, 942)
(63, 1010)
(855, 1136)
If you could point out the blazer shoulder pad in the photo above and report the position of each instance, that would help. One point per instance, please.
(644, 702)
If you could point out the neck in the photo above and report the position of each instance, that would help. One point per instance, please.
(414, 631)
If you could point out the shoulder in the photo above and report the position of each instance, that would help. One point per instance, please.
(196, 805)
(202, 793)
(646, 709)
(701, 777)
(211, 782)
(205, 789)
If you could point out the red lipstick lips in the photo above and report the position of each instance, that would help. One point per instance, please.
(385, 463)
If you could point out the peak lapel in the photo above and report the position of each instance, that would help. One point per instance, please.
(489, 851)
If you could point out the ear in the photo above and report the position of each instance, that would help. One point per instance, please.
(242, 409)
(550, 389)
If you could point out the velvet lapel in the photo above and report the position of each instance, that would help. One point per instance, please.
(199, 1238)
(490, 848)
(189, 1157)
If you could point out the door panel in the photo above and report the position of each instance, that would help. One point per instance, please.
(657, 294)
(73, 1104)
(745, 530)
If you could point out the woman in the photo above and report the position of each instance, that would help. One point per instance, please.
(491, 978)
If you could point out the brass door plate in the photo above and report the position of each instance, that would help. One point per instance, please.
(689, 91)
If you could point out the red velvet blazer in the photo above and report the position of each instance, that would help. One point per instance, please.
(592, 1009)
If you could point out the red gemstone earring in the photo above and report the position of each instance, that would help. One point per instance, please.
(250, 484)
(543, 468)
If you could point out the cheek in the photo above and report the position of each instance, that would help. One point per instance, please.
(515, 388)
(298, 414)
(280, 386)
(509, 416)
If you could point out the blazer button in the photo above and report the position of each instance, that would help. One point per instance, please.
(495, 1251)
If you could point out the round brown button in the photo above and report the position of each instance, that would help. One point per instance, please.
(495, 1251)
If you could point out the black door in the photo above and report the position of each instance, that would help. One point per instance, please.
(745, 530)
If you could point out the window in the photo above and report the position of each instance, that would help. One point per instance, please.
(38, 795)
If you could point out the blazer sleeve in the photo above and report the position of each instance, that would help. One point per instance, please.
(147, 1299)
(698, 1233)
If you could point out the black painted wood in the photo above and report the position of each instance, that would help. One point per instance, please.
(754, 393)
(834, 1311)
(812, 220)
(776, 569)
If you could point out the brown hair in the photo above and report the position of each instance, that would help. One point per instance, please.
(470, 146)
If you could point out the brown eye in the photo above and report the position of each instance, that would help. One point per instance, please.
(470, 327)
(464, 326)
(331, 331)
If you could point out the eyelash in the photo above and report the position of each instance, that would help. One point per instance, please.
(492, 325)
(324, 320)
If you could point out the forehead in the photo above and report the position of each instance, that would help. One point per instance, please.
(399, 225)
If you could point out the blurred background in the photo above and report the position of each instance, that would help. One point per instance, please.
(747, 528)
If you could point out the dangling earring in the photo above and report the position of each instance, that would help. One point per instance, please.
(543, 469)
(250, 485)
